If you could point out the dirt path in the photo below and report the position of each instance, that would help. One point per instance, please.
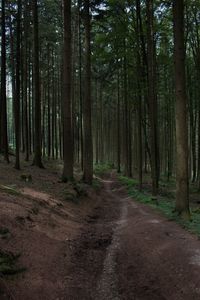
(128, 251)
(122, 250)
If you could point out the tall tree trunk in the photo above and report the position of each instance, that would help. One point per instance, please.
(126, 117)
(3, 105)
(87, 126)
(67, 105)
(139, 97)
(37, 98)
(12, 62)
(48, 104)
(152, 98)
(182, 191)
(118, 126)
(25, 80)
(80, 83)
(18, 83)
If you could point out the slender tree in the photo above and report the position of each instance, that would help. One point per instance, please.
(182, 197)
(87, 124)
(152, 98)
(139, 96)
(3, 104)
(37, 101)
(67, 106)
(118, 126)
(17, 98)
(25, 80)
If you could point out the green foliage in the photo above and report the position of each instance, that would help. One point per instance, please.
(10, 190)
(96, 184)
(71, 196)
(129, 182)
(74, 191)
(194, 224)
(26, 177)
(101, 169)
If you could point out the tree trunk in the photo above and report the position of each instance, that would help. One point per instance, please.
(37, 101)
(67, 105)
(182, 193)
(152, 98)
(87, 126)
(118, 126)
(139, 98)
(3, 105)
(18, 83)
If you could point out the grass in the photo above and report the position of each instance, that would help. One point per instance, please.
(9, 190)
(164, 205)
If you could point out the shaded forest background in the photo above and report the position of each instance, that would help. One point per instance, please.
(95, 82)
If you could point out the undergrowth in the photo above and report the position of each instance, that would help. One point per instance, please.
(101, 169)
(162, 204)
(96, 184)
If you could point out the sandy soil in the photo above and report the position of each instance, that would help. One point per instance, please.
(107, 247)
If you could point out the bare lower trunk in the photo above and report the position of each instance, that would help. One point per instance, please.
(87, 124)
(182, 198)
(37, 101)
(67, 106)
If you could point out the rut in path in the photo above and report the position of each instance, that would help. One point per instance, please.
(128, 251)
(92, 254)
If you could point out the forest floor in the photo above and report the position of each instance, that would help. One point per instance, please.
(104, 246)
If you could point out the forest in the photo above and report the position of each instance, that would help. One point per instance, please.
(99, 149)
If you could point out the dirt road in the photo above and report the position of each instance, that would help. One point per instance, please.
(122, 250)
(128, 251)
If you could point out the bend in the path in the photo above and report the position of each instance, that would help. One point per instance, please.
(129, 251)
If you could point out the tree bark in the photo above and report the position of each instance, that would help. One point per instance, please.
(37, 97)
(87, 124)
(18, 83)
(67, 105)
(3, 105)
(182, 190)
(152, 98)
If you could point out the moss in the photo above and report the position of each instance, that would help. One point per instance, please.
(8, 264)
(80, 188)
(71, 196)
(4, 233)
(34, 210)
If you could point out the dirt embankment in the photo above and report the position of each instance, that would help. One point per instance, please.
(38, 219)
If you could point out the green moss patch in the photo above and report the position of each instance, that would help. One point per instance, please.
(74, 191)
(8, 263)
(4, 233)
